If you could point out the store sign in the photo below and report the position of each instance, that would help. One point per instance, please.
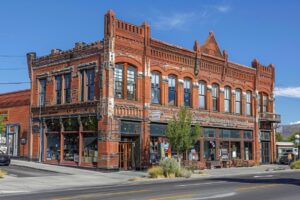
(155, 115)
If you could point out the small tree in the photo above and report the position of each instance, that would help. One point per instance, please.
(2, 125)
(181, 134)
(279, 137)
(291, 138)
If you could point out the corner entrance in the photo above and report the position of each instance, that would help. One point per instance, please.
(265, 147)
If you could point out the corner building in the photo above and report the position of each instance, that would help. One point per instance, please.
(107, 104)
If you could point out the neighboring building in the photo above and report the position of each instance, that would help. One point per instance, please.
(16, 140)
(283, 148)
(107, 104)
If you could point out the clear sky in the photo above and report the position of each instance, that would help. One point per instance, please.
(266, 30)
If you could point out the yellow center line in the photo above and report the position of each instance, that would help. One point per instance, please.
(86, 196)
(258, 186)
(171, 197)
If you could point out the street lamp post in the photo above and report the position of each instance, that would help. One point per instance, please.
(297, 140)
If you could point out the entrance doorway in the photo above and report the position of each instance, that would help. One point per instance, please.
(129, 153)
(12, 140)
(265, 152)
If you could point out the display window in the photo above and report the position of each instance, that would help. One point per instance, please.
(53, 146)
(248, 150)
(210, 150)
(90, 148)
(71, 147)
(159, 149)
(194, 153)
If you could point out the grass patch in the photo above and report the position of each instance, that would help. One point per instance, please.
(2, 173)
(295, 165)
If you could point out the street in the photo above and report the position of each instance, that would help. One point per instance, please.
(275, 186)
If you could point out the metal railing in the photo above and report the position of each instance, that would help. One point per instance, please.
(272, 117)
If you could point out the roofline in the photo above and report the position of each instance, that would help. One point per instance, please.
(15, 92)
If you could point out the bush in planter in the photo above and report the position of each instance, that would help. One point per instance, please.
(155, 172)
(170, 166)
(295, 165)
(184, 173)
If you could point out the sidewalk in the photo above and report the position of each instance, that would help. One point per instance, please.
(69, 177)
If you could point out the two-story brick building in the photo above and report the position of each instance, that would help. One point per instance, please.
(107, 104)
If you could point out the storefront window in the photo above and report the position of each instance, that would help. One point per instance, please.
(235, 150)
(209, 132)
(194, 153)
(130, 128)
(248, 150)
(210, 150)
(224, 150)
(90, 148)
(227, 133)
(265, 136)
(71, 147)
(53, 146)
(248, 135)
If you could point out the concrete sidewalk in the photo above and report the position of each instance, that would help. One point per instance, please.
(72, 178)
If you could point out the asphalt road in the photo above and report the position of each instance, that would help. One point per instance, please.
(277, 186)
(18, 171)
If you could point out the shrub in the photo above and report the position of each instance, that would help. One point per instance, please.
(2, 173)
(170, 166)
(184, 173)
(296, 165)
(155, 172)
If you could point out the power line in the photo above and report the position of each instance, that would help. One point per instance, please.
(13, 83)
(11, 56)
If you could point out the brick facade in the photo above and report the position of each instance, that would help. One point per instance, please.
(128, 121)
(15, 107)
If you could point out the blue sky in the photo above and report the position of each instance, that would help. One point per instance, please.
(267, 30)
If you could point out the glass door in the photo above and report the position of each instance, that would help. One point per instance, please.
(265, 152)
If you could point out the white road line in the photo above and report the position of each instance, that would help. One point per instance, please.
(216, 196)
(209, 183)
(11, 191)
(264, 176)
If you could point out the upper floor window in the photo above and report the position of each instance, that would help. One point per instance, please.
(155, 87)
(131, 82)
(58, 80)
(238, 99)
(248, 103)
(90, 73)
(202, 95)
(172, 90)
(42, 94)
(125, 81)
(118, 75)
(265, 103)
(215, 97)
(187, 92)
(227, 99)
(259, 102)
(67, 78)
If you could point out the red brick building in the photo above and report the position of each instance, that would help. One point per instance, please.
(107, 104)
(15, 108)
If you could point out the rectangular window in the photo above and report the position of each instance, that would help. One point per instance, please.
(187, 93)
(215, 94)
(130, 128)
(42, 94)
(202, 95)
(90, 73)
(248, 104)
(248, 150)
(259, 102)
(118, 75)
(248, 135)
(131, 82)
(172, 90)
(82, 73)
(58, 80)
(67, 88)
(265, 136)
(227, 99)
(265, 103)
(155, 87)
(238, 102)
(209, 132)
(228, 133)
(158, 129)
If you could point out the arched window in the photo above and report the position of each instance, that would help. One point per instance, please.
(238, 99)
(155, 87)
(248, 103)
(215, 97)
(202, 95)
(119, 68)
(187, 92)
(125, 82)
(227, 99)
(131, 80)
(172, 90)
